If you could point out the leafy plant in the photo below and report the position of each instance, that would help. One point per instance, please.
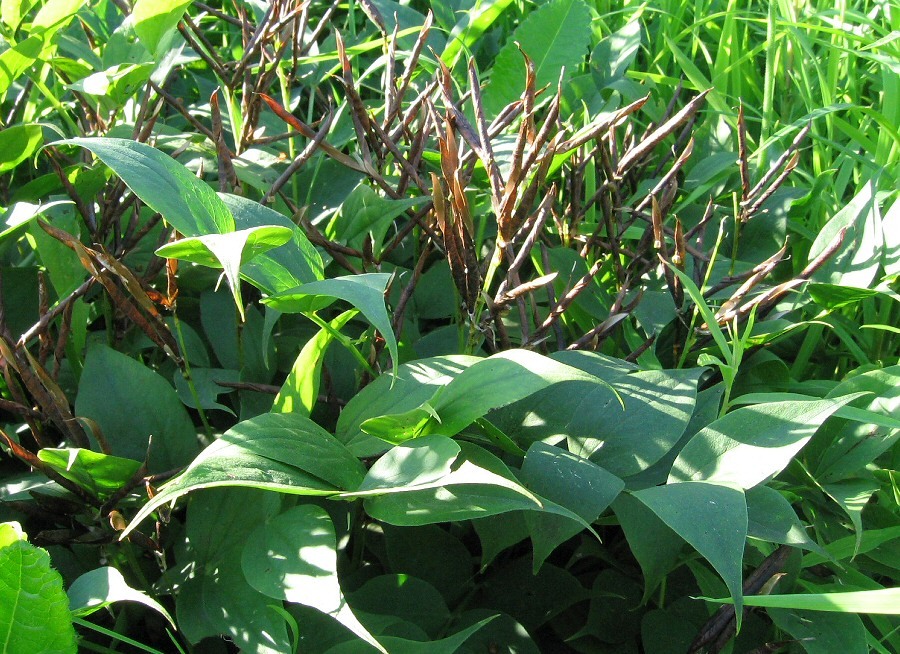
(552, 327)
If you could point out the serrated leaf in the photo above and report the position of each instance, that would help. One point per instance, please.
(34, 609)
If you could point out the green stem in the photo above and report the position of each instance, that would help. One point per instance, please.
(189, 378)
(493, 266)
(343, 340)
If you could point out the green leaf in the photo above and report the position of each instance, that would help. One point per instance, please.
(727, 451)
(54, 14)
(17, 143)
(882, 601)
(471, 26)
(99, 588)
(365, 292)
(414, 383)
(655, 546)
(365, 213)
(417, 463)
(34, 609)
(99, 474)
(17, 59)
(852, 495)
(488, 384)
(128, 419)
(208, 391)
(843, 448)
(293, 557)
(155, 19)
(163, 184)
(276, 451)
(554, 36)
(448, 645)
(214, 597)
(575, 483)
(857, 260)
(822, 633)
(592, 420)
(771, 518)
(712, 517)
(286, 267)
(228, 251)
(300, 390)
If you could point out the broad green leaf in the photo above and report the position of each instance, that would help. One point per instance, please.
(34, 609)
(821, 633)
(614, 54)
(583, 487)
(471, 26)
(655, 545)
(365, 213)
(54, 14)
(843, 448)
(99, 588)
(293, 557)
(228, 251)
(154, 19)
(286, 267)
(414, 384)
(214, 597)
(99, 474)
(17, 59)
(531, 599)
(658, 405)
(276, 451)
(205, 386)
(163, 184)
(402, 598)
(478, 485)
(500, 532)
(883, 601)
(300, 390)
(554, 36)
(728, 451)
(412, 464)
(712, 518)
(410, 551)
(13, 11)
(11, 532)
(852, 495)
(448, 645)
(857, 260)
(771, 518)
(17, 143)
(835, 296)
(488, 384)
(131, 421)
(848, 547)
(365, 292)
